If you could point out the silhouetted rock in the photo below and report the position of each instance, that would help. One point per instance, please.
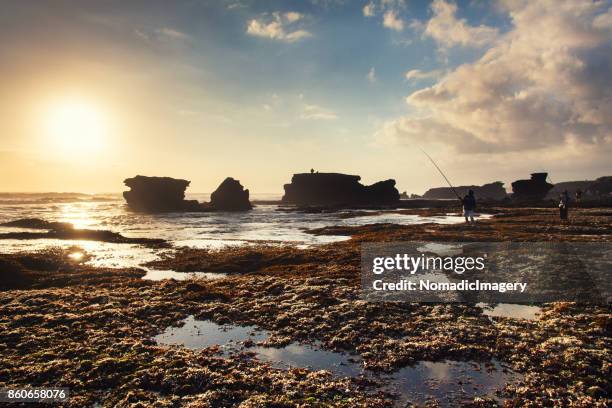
(230, 196)
(490, 191)
(158, 194)
(601, 187)
(37, 223)
(336, 189)
(64, 230)
(570, 186)
(534, 189)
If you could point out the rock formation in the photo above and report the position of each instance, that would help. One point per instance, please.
(591, 189)
(158, 194)
(490, 191)
(534, 189)
(336, 189)
(230, 196)
(601, 187)
(570, 186)
(165, 194)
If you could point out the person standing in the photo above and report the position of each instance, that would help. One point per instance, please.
(564, 205)
(469, 206)
(578, 197)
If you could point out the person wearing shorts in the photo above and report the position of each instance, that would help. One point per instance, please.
(469, 206)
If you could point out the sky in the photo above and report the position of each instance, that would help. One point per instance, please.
(93, 92)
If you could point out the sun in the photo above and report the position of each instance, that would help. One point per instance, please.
(76, 126)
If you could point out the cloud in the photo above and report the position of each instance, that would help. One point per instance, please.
(417, 74)
(390, 20)
(543, 85)
(390, 11)
(316, 112)
(293, 16)
(164, 35)
(278, 26)
(371, 75)
(173, 34)
(449, 31)
(368, 9)
(236, 5)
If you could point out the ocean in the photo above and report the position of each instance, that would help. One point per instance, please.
(264, 224)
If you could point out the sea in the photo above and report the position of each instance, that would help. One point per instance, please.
(267, 223)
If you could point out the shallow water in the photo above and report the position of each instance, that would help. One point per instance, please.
(156, 275)
(441, 249)
(446, 381)
(263, 223)
(512, 310)
(198, 230)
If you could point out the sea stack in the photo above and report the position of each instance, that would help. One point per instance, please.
(336, 189)
(534, 189)
(158, 194)
(230, 196)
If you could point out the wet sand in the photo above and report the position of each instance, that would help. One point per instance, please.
(92, 329)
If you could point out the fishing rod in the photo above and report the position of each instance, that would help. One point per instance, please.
(445, 178)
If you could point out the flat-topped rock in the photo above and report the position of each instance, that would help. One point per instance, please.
(158, 194)
(337, 189)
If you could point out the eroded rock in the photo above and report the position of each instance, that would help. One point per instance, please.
(230, 196)
(336, 189)
(158, 194)
(535, 188)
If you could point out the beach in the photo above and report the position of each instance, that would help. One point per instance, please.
(281, 322)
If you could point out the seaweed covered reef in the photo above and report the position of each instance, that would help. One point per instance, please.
(64, 230)
(95, 335)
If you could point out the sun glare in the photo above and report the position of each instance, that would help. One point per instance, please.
(76, 126)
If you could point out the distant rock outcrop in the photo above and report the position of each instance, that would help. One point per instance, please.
(591, 189)
(570, 186)
(336, 189)
(601, 187)
(490, 191)
(535, 188)
(230, 196)
(158, 194)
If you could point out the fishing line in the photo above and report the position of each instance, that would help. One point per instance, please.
(442, 173)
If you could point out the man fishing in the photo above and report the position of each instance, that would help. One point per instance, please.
(469, 206)
(468, 202)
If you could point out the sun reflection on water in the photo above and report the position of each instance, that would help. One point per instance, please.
(78, 215)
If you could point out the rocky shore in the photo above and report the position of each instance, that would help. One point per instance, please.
(91, 329)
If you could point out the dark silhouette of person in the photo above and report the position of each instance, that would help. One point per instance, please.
(564, 205)
(311, 171)
(578, 197)
(469, 206)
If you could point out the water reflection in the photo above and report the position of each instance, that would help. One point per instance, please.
(512, 310)
(263, 223)
(447, 382)
(156, 275)
(78, 214)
